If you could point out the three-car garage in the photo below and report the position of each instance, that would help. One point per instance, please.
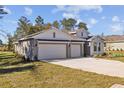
(59, 50)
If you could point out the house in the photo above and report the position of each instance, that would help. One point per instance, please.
(55, 44)
(114, 42)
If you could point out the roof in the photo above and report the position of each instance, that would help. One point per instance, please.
(53, 28)
(93, 37)
(114, 38)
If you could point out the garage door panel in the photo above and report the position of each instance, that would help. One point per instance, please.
(75, 50)
(51, 51)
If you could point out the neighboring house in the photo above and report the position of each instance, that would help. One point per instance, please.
(114, 42)
(54, 44)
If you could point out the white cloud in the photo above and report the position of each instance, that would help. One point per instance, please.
(78, 8)
(117, 27)
(93, 21)
(73, 11)
(7, 10)
(103, 17)
(69, 15)
(89, 26)
(115, 19)
(28, 11)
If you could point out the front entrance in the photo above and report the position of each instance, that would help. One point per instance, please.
(86, 49)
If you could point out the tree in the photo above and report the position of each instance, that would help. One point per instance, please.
(56, 24)
(48, 26)
(39, 26)
(10, 42)
(24, 25)
(68, 24)
(82, 25)
(2, 11)
(64, 23)
(1, 42)
(39, 21)
(72, 22)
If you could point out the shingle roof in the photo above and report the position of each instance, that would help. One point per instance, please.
(90, 38)
(114, 38)
(66, 32)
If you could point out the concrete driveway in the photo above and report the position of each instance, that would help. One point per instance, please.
(100, 66)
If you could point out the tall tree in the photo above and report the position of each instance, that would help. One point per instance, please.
(48, 26)
(39, 26)
(24, 25)
(64, 23)
(39, 21)
(72, 22)
(82, 25)
(68, 24)
(1, 42)
(10, 42)
(2, 11)
(56, 24)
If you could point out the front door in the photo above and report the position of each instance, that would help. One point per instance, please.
(86, 49)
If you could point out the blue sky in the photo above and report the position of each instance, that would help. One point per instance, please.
(100, 19)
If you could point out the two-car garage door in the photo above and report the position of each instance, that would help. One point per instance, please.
(51, 51)
(56, 51)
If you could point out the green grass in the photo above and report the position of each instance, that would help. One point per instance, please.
(14, 73)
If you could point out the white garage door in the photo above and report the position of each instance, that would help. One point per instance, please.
(75, 50)
(51, 51)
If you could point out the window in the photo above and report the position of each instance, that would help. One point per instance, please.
(81, 33)
(54, 35)
(95, 47)
(36, 44)
(104, 44)
(99, 48)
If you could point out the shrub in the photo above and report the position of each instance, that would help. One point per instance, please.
(104, 54)
(117, 49)
(113, 49)
(21, 57)
(121, 49)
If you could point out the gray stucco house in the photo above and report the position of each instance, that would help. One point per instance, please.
(56, 44)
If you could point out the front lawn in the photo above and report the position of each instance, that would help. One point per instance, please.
(14, 73)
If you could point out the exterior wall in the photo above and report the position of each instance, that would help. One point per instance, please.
(24, 48)
(114, 45)
(97, 41)
(85, 34)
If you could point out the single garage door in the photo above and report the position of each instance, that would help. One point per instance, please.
(75, 50)
(51, 51)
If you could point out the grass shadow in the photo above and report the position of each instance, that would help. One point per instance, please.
(16, 69)
(14, 63)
